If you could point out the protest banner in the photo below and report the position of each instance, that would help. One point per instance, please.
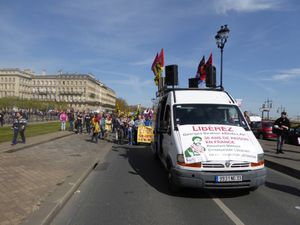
(144, 134)
(216, 142)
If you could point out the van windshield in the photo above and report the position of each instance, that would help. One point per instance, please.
(208, 114)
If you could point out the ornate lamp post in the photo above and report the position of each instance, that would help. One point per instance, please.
(221, 39)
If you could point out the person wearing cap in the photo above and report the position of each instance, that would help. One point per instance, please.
(281, 128)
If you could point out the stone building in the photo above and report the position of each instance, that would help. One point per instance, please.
(80, 91)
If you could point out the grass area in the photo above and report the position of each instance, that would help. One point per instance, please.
(6, 133)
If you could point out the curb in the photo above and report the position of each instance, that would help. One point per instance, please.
(37, 143)
(68, 195)
(46, 220)
(283, 169)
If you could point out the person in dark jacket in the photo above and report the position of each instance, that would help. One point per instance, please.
(19, 125)
(1, 118)
(281, 128)
(87, 121)
(71, 119)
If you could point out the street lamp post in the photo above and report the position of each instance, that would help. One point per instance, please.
(221, 39)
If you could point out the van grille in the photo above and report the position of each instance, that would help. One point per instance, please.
(220, 165)
(212, 165)
(239, 165)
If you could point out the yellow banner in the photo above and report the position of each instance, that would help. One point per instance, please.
(144, 134)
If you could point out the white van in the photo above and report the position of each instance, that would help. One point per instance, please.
(203, 140)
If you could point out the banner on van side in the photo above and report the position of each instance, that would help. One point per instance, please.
(216, 142)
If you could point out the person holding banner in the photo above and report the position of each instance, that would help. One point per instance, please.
(138, 122)
(147, 122)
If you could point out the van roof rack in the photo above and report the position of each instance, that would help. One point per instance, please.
(166, 90)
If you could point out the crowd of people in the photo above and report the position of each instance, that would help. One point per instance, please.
(104, 125)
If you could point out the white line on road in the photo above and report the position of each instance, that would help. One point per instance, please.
(228, 212)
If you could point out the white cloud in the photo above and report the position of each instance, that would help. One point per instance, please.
(225, 6)
(287, 75)
(282, 75)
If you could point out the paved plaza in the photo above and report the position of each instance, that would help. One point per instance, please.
(30, 175)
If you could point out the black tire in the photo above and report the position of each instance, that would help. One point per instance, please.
(155, 154)
(173, 188)
(253, 188)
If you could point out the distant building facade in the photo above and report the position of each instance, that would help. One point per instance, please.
(80, 91)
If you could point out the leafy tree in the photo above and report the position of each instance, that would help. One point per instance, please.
(121, 105)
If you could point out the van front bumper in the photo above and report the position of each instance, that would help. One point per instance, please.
(207, 180)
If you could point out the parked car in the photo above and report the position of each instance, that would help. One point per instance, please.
(263, 129)
(294, 136)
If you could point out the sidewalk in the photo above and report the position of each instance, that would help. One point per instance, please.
(36, 182)
(288, 163)
(32, 141)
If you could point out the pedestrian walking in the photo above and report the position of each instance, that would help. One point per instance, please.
(19, 125)
(102, 126)
(71, 119)
(79, 122)
(281, 128)
(87, 121)
(1, 118)
(95, 128)
(63, 119)
(108, 124)
(130, 130)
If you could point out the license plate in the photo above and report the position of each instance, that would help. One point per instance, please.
(229, 178)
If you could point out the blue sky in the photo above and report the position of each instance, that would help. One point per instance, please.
(117, 40)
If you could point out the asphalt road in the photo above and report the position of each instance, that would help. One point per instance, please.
(130, 187)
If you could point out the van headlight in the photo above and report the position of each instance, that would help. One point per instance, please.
(260, 157)
(180, 161)
(260, 160)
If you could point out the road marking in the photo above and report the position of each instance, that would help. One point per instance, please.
(228, 212)
(297, 207)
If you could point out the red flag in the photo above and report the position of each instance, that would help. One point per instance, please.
(153, 67)
(209, 61)
(202, 63)
(208, 64)
(157, 65)
(161, 58)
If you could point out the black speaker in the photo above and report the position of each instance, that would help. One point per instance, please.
(211, 77)
(171, 76)
(193, 82)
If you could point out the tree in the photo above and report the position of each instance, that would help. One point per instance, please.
(121, 105)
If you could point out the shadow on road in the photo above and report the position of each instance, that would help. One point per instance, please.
(283, 188)
(152, 171)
